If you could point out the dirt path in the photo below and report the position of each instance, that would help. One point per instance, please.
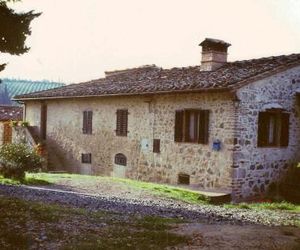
(240, 237)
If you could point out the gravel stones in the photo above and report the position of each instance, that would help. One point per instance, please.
(151, 207)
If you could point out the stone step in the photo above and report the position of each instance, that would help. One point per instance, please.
(215, 196)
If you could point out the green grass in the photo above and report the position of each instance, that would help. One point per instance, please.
(42, 226)
(168, 191)
(266, 206)
(161, 190)
(29, 180)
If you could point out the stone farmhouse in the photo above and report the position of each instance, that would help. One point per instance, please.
(224, 125)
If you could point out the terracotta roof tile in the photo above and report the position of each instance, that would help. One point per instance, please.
(152, 79)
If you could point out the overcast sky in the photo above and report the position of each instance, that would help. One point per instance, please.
(76, 40)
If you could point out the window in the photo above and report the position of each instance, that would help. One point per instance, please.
(122, 122)
(273, 129)
(191, 125)
(87, 125)
(86, 158)
(156, 145)
(183, 179)
(120, 159)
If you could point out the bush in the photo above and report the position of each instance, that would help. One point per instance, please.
(16, 158)
(24, 124)
(14, 123)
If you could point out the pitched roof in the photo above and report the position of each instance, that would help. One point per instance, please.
(154, 80)
(11, 87)
(8, 113)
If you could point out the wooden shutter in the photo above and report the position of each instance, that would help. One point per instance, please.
(263, 129)
(284, 133)
(84, 122)
(89, 122)
(156, 145)
(118, 123)
(43, 128)
(203, 127)
(178, 135)
(125, 123)
(122, 122)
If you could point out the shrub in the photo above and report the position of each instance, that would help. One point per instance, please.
(25, 124)
(16, 158)
(14, 123)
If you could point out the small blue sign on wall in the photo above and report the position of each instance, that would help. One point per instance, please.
(216, 145)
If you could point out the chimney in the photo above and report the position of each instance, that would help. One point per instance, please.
(214, 54)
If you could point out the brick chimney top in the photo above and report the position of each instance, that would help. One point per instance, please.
(214, 54)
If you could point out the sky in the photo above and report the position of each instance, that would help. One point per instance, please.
(75, 41)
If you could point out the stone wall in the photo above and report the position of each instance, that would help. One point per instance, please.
(256, 167)
(149, 118)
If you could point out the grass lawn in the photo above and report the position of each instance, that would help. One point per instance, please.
(29, 180)
(26, 224)
(287, 206)
(155, 188)
(161, 190)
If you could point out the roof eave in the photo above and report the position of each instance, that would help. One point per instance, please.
(264, 75)
(205, 90)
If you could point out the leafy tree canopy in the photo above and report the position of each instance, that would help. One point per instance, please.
(14, 29)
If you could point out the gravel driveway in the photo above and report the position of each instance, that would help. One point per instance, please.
(209, 227)
(151, 205)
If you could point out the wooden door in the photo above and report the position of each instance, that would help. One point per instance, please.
(7, 133)
(43, 127)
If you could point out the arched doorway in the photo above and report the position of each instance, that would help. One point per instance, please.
(120, 163)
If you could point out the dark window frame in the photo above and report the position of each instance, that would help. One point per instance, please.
(122, 122)
(86, 158)
(183, 179)
(87, 122)
(121, 159)
(273, 129)
(192, 126)
(43, 130)
(156, 145)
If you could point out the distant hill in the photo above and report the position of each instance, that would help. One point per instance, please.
(12, 87)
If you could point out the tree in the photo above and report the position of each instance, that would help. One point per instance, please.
(14, 29)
